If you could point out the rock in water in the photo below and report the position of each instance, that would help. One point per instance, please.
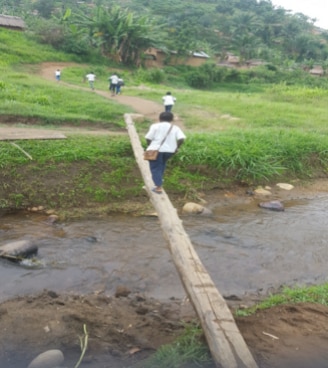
(195, 208)
(272, 205)
(20, 248)
(48, 359)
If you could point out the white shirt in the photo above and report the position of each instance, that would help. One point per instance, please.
(158, 131)
(90, 77)
(114, 79)
(57, 73)
(168, 100)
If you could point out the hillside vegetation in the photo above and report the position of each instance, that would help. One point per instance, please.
(121, 30)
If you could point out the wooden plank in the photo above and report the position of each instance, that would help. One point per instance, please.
(224, 339)
(7, 134)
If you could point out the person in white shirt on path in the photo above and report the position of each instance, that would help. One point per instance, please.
(113, 80)
(168, 101)
(157, 132)
(57, 75)
(91, 77)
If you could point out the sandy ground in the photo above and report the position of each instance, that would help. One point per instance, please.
(124, 329)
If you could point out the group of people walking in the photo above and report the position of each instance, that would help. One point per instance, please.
(115, 83)
(163, 136)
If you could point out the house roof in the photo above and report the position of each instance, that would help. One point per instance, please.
(201, 54)
(10, 21)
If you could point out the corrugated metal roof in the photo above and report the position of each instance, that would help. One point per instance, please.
(201, 54)
(10, 21)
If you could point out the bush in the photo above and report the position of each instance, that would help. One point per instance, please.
(198, 79)
(153, 75)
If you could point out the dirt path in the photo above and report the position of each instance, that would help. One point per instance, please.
(148, 109)
(123, 330)
(144, 107)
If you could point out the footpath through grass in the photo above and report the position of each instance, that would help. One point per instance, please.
(252, 135)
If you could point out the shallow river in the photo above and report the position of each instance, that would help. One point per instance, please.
(244, 248)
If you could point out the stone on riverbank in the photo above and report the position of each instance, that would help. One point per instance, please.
(48, 359)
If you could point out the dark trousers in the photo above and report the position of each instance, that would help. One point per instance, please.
(158, 166)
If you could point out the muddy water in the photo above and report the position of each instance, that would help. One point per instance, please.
(245, 249)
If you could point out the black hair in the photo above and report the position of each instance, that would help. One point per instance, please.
(168, 93)
(166, 116)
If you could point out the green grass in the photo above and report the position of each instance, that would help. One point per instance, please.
(313, 294)
(16, 48)
(189, 348)
(27, 95)
(247, 135)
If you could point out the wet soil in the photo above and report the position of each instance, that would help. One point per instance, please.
(125, 328)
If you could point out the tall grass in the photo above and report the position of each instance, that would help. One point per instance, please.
(258, 154)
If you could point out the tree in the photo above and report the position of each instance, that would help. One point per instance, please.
(119, 33)
(45, 8)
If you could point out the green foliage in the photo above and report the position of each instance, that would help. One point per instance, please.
(50, 103)
(252, 133)
(310, 294)
(149, 75)
(124, 29)
(197, 79)
(189, 348)
(16, 48)
(117, 32)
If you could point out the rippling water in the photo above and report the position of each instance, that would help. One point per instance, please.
(244, 248)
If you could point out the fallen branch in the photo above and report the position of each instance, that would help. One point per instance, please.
(21, 149)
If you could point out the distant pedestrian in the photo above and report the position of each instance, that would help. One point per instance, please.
(168, 101)
(113, 80)
(57, 75)
(91, 77)
(120, 83)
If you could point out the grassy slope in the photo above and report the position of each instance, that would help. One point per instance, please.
(233, 136)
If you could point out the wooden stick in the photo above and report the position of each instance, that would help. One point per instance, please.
(21, 149)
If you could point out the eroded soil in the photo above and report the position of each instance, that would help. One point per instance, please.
(124, 330)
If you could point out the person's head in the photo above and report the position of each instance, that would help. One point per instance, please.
(168, 93)
(166, 116)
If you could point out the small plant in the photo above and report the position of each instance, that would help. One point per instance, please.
(83, 344)
(189, 348)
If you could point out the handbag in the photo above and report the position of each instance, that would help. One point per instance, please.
(151, 155)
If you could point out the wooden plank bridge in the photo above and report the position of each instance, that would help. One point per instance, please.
(224, 339)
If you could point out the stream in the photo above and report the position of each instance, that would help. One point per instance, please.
(246, 250)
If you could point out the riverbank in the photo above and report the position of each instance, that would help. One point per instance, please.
(125, 327)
